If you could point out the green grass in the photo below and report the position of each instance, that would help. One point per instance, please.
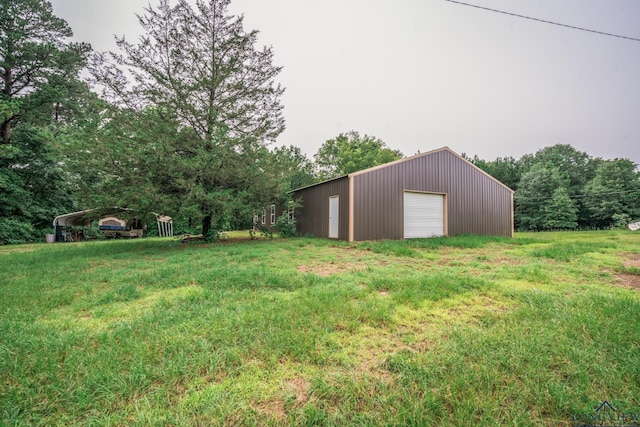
(451, 331)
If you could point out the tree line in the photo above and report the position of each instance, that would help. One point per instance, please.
(182, 122)
(561, 188)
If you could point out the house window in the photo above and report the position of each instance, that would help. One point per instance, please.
(273, 214)
(291, 214)
(263, 220)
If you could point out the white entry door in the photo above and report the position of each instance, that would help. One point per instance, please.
(334, 209)
(423, 215)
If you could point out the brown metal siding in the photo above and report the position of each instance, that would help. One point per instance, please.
(476, 204)
(313, 217)
(377, 207)
(279, 210)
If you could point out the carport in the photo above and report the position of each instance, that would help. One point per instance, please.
(74, 226)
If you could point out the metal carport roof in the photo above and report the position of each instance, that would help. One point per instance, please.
(84, 218)
(81, 218)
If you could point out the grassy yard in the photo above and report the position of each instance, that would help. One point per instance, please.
(465, 331)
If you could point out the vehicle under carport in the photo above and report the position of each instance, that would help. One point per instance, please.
(77, 226)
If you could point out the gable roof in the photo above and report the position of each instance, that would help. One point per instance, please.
(406, 159)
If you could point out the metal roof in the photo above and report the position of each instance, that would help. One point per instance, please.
(404, 159)
(84, 218)
(81, 218)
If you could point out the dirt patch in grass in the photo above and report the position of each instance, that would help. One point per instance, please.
(468, 312)
(632, 260)
(628, 281)
(628, 274)
(324, 269)
(329, 268)
(273, 408)
(452, 257)
(371, 360)
(363, 353)
(299, 388)
(294, 393)
(340, 260)
(505, 260)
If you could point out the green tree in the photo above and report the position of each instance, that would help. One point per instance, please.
(33, 183)
(201, 72)
(535, 190)
(349, 152)
(38, 69)
(576, 168)
(507, 170)
(119, 158)
(41, 94)
(296, 169)
(558, 182)
(614, 193)
(560, 212)
(573, 165)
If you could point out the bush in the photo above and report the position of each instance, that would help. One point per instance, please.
(263, 230)
(214, 235)
(286, 225)
(14, 231)
(620, 220)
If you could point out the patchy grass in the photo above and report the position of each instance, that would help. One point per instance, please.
(451, 331)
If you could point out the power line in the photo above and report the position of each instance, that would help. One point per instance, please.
(544, 21)
(575, 196)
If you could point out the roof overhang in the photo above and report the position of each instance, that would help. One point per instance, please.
(81, 218)
(318, 183)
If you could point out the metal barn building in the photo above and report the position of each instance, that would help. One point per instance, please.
(437, 193)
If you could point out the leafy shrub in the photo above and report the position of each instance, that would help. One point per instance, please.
(620, 220)
(214, 235)
(14, 231)
(266, 232)
(286, 225)
(263, 230)
(180, 227)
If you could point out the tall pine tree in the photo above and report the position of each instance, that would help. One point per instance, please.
(39, 90)
(37, 67)
(199, 68)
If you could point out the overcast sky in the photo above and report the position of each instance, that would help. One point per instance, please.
(422, 74)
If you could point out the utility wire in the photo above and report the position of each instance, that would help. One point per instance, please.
(542, 20)
(575, 196)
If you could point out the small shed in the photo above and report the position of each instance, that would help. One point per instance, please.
(437, 193)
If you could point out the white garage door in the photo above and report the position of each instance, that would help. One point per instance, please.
(423, 215)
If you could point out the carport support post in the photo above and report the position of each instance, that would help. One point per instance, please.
(57, 231)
